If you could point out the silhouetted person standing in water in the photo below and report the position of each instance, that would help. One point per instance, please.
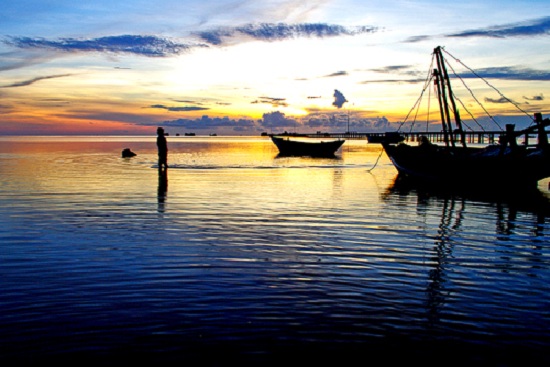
(163, 149)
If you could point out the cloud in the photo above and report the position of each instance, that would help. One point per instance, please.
(412, 74)
(281, 31)
(187, 101)
(209, 123)
(393, 81)
(510, 73)
(498, 100)
(214, 37)
(339, 99)
(317, 120)
(338, 73)
(536, 27)
(34, 80)
(534, 98)
(530, 28)
(414, 39)
(179, 109)
(390, 69)
(153, 46)
(5, 108)
(150, 46)
(275, 102)
(505, 72)
(20, 59)
(277, 119)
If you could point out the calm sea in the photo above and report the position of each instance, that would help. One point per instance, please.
(239, 256)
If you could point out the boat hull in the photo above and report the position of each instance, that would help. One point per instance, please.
(288, 147)
(471, 166)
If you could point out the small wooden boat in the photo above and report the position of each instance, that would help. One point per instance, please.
(292, 147)
(505, 164)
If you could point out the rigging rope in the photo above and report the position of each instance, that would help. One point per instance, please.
(377, 159)
(426, 84)
(473, 96)
(486, 82)
(472, 116)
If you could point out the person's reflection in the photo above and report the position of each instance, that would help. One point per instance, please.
(162, 188)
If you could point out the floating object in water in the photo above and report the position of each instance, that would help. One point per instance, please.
(127, 153)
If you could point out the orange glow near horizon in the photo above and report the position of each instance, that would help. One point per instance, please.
(106, 102)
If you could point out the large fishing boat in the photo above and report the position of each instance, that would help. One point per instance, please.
(306, 148)
(454, 162)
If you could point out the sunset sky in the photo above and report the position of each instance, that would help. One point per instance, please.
(243, 67)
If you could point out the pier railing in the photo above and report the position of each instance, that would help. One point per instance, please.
(481, 137)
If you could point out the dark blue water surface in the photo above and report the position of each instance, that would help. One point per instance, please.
(239, 257)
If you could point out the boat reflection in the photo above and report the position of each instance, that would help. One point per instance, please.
(313, 160)
(529, 200)
(518, 236)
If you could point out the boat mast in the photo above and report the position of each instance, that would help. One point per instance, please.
(446, 129)
(443, 80)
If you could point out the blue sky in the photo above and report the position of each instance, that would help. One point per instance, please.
(242, 67)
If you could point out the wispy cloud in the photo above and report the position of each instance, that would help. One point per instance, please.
(281, 31)
(510, 73)
(393, 81)
(497, 100)
(20, 59)
(407, 74)
(420, 38)
(529, 28)
(179, 109)
(153, 46)
(507, 73)
(273, 101)
(534, 98)
(534, 27)
(402, 69)
(131, 44)
(338, 73)
(34, 80)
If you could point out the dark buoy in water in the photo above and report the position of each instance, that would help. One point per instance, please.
(127, 153)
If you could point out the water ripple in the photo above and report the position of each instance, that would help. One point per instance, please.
(99, 256)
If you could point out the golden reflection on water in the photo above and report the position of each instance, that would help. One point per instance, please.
(225, 174)
(94, 164)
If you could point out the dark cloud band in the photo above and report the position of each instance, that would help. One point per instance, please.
(132, 44)
(25, 83)
(179, 109)
(510, 73)
(153, 46)
(282, 31)
(535, 27)
(530, 28)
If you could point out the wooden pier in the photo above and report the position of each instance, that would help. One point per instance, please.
(483, 137)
